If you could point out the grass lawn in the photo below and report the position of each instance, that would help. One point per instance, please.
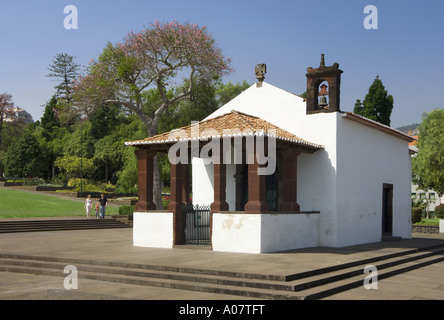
(21, 204)
(429, 222)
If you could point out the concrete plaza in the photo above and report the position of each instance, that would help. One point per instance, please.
(116, 245)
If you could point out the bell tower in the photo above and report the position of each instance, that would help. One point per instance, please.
(318, 91)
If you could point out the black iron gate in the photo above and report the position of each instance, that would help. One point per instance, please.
(197, 228)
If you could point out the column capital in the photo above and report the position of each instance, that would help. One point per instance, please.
(145, 153)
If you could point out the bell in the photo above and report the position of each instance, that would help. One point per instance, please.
(323, 91)
(323, 102)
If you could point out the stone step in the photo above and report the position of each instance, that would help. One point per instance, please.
(151, 267)
(371, 260)
(58, 224)
(316, 285)
(358, 280)
(157, 274)
(348, 273)
(174, 280)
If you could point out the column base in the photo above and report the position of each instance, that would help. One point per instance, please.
(178, 222)
(144, 206)
(256, 207)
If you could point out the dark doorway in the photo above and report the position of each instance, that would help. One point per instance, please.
(387, 209)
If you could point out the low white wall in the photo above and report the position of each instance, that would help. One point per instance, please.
(153, 229)
(261, 233)
(441, 226)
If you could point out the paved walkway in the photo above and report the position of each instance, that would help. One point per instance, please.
(116, 245)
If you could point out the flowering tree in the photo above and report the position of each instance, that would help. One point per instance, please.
(152, 58)
(155, 58)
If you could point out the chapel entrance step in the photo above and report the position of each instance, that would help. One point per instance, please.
(315, 284)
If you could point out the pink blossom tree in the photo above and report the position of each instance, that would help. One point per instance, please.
(156, 58)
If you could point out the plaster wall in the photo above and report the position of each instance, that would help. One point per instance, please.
(262, 233)
(368, 158)
(153, 229)
(203, 183)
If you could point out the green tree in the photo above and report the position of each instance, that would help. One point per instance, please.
(182, 113)
(65, 71)
(75, 167)
(131, 128)
(152, 58)
(80, 142)
(109, 151)
(103, 120)
(25, 158)
(377, 105)
(127, 176)
(428, 164)
(50, 121)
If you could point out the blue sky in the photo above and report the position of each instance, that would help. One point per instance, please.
(406, 51)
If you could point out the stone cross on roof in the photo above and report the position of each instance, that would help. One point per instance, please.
(260, 71)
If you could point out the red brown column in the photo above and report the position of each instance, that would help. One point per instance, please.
(145, 180)
(220, 185)
(186, 184)
(290, 181)
(256, 188)
(175, 205)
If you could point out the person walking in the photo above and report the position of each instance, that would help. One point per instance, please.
(103, 203)
(97, 209)
(88, 206)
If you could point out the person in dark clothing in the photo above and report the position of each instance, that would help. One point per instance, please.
(103, 203)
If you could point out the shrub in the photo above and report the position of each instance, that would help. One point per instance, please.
(439, 211)
(75, 182)
(126, 210)
(33, 182)
(416, 215)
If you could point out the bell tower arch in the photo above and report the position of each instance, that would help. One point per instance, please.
(315, 77)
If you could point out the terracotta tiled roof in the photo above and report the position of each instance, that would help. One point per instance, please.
(414, 142)
(233, 124)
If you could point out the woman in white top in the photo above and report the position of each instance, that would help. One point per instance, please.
(88, 206)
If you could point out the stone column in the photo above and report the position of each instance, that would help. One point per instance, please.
(175, 205)
(145, 180)
(256, 188)
(220, 186)
(290, 181)
(186, 184)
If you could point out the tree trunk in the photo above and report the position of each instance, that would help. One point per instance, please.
(106, 171)
(157, 184)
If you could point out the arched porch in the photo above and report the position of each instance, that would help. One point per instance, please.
(254, 196)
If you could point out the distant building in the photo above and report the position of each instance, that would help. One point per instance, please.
(20, 115)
